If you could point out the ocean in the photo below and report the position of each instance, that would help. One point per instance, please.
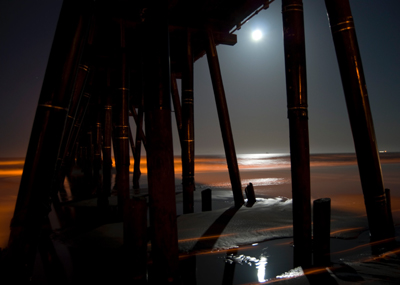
(332, 175)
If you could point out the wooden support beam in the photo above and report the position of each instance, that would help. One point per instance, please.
(177, 105)
(85, 100)
(107, 134)
(160, 159)
(296, 90)
(131, 141)
(122, 124)
(63, 161)
(83, 72)
(135, 240)
(33, 202)
(138, 149)
(187, 132)
(356, 94)
(136, 118)
(223, 116)
(97, 137)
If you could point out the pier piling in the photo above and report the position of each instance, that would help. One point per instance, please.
(321, 231)
(122, 123)
(251, 196)
(160, 159)
(33, 202)
(296, 89)
(206, 201)
(187, 132)
(356, 94)
(223, 116)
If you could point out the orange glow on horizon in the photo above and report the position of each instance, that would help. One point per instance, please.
(10, 172)
(12, 162)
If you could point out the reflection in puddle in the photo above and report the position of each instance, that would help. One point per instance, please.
(241, 259)
(260, 263)
(295, 272)
(261, 266)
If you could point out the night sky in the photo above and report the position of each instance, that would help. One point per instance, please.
(253, 74)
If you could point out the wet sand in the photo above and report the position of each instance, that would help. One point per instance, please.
(339, 181)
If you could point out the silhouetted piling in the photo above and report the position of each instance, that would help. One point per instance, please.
(187, 129)
(33, 203)
(87, 138)
(229, 268)
(321, 231)
(355, 91)
(135, 238)
(206, 201)
(223, 116)
(389, 206)
(107, 134)
(62, 162)
(137, 121)
(52, 265)
(131, 141)
(122, 124)
(79, 119)
(188, 269)
(77, 128)
(97, 138)
(137, 155)
(160, 159)
(296, 89)
(177, 105)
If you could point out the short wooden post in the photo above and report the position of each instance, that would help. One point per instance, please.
(224, 121)
(206, 200)
(356, 94)
(321, 231)
(296, 89)
(251, 196)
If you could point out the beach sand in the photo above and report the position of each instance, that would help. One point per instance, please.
(254, 247)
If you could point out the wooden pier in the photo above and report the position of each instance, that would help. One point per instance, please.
(114, 59)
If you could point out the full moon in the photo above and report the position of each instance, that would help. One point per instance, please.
(256, 35)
